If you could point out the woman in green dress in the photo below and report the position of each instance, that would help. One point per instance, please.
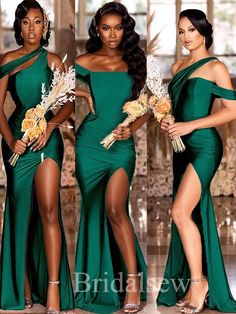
(114, 68)
(195, 268)
(33, 253)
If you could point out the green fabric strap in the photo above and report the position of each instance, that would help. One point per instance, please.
(182, 76)
(223, 92)
(10, 66)
(81, 73)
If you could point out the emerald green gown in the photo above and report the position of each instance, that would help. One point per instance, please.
(22, 239)
(192, 98)
(97, 253)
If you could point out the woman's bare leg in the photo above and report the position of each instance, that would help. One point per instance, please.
(47, 183)
(187, 198)
(116, 198)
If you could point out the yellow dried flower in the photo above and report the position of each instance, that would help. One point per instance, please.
(158, 116)
(128, 104)
(27, 124)
(34, 133)
(164, 105)
(153, 100)
(134, 108)
(160, 107)
(30, 114)
(143, 98)
(39, 111)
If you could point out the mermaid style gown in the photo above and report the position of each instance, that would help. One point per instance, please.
(97, 252)
(192, 99)
(22, 229)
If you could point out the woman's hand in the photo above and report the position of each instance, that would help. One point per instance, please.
(122, 133)
(164, 126)
(39, 142)
(180, 129)
(87, 96)
(19, 147)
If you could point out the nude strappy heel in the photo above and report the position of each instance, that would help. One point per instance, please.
(183, 302)
(192, 309)
(28, 302)
(50, 310)
(132, 307)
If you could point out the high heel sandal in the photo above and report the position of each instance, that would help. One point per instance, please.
(192, 309)
(28, 302)
(132, 307)
(182, 302)
(50, 310)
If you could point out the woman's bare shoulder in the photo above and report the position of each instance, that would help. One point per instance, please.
(9, 56)
(177, 66)
(85, 60)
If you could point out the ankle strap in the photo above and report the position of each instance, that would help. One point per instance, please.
(133, 275)
(53, 282)
(203, 278)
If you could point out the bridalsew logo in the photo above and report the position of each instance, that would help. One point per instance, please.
(85, 283)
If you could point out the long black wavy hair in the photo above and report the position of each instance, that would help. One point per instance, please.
(133, 55)
(21, 12)
(200, 22)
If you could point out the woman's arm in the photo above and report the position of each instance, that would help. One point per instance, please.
(137, 124)
(84, 61)
(62, 114)
(222, 116)
(123, 133)
(17, 146)
(66, 110)
(87, 96)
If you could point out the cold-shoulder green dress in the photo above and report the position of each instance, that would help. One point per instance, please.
(97, 256)
(192, 98)
(22, 228)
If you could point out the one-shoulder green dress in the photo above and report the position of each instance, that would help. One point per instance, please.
(192, 98)
(22, 239)
(98, 256)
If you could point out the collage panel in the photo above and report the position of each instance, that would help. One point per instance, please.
(37, 156)
(178, 44)
(108, 169)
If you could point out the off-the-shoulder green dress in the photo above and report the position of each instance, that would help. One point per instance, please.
(97, 253)
(192, 98)
(22, 228)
